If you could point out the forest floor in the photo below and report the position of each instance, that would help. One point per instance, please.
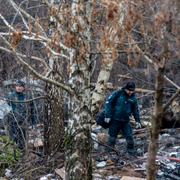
(123, 165)
(116, 165)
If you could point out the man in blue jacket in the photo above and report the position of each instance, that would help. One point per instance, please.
(118, 115)
(16, 121)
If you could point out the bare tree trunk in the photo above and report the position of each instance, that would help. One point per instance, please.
(78, 135)
(156, 126)
(101, 86)
(103, 78)
(53, 123)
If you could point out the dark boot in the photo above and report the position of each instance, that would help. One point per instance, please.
(130, 145)
(111, 142)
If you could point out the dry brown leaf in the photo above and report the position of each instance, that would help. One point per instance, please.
(30, 29)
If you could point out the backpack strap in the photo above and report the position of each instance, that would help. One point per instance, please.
(117, 96)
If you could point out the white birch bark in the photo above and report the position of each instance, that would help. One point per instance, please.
(78, 135)
(105, 71)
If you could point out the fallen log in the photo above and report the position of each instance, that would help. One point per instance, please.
(167, 130)
(137, 90)
(143, 123)
(124, 76)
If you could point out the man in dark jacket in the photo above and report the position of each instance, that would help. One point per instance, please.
(16, 121)
(118, 115)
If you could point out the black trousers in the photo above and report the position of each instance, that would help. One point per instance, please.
(114, 129)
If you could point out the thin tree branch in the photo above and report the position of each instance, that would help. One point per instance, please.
(42, 40)
(148, 94)
(48, 73)
(18, 12)
(27, 16)
(32, 57)
(26, 101)
(102, 144)
(68, 89)
(6, 23)
(130, 163)
(171, 100)
(172, 83)
(151, 62)
(39, 26)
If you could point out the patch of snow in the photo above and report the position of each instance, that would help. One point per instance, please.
(97, 177)
(4, 109)
(8, 172)
(94, 136)
(46, 177)
(101, 164)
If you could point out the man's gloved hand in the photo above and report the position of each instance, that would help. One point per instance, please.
(107, 120)
(138, 125)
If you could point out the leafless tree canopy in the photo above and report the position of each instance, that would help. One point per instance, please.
(71, 44)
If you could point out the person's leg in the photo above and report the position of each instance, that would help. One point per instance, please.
(127, 131)
(113, 132)
(21, 137)
(13, 133)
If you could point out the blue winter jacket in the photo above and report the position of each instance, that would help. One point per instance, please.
(122, 108)
(19, 110)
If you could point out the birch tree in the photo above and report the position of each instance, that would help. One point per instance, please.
(83, 30)
(110, 51)
(54, 123)
(71, 41)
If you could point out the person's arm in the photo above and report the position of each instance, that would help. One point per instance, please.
(9, 98)
(109, 104)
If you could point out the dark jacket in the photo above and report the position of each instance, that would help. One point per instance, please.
(19, 110)
(123, 106)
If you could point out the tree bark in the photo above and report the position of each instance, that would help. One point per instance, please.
(101, 86)
(53, 123)
(78, 135)
(103, 78)
(156, 126)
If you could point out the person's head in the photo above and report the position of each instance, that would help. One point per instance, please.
(19, 85)
(129, 88)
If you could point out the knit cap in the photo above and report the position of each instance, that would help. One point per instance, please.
(130, 86)
(20, 83)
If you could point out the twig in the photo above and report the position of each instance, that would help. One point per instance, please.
(41, 97)
(138, 130)
(34, 152)
(117, 167)
(99, 173)
(106, 146)
(148, 94)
